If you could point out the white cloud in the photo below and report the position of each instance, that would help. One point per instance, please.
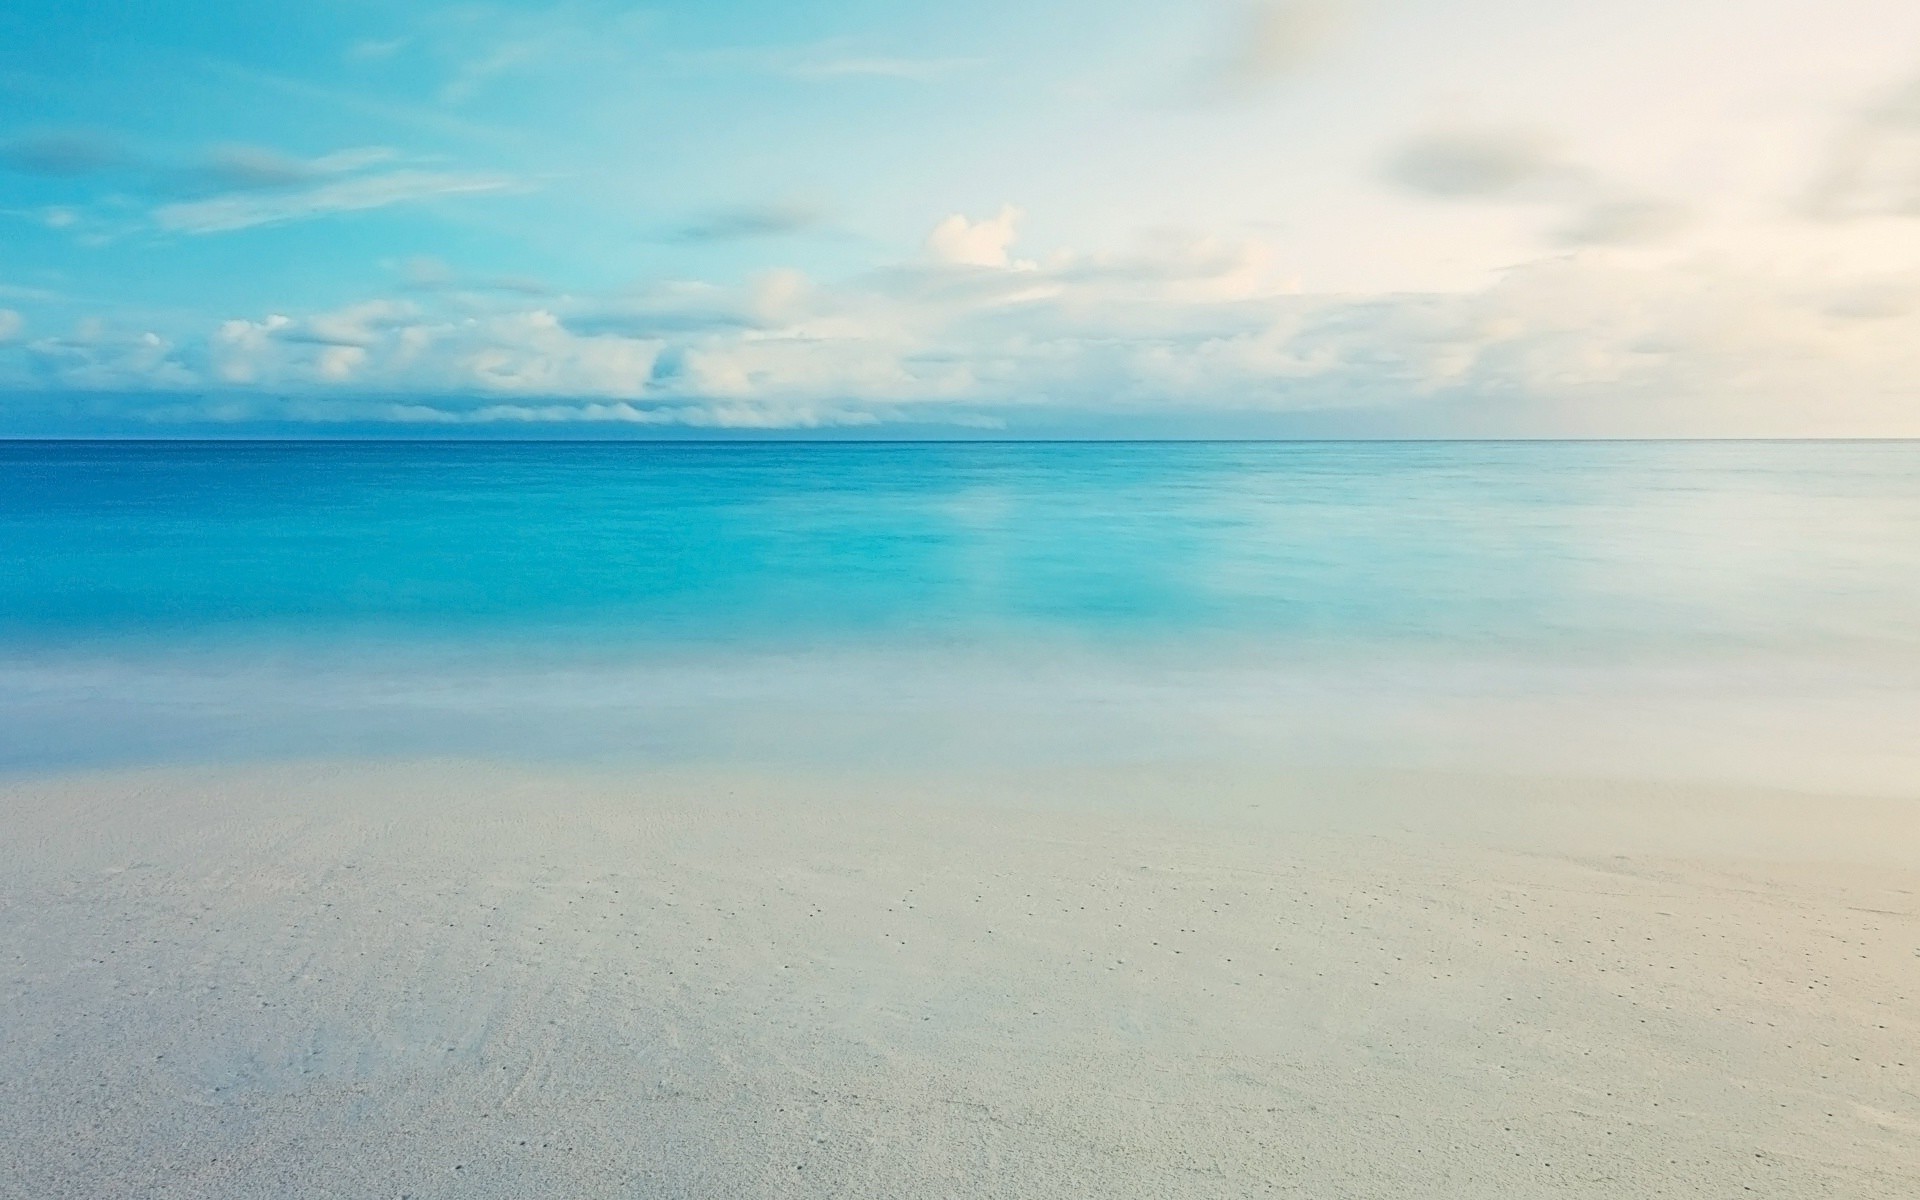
(338, 364)
(1597, 342)
(983, 243)
(358, 326)
(94, 357)
(391, 346)
(238, 346)
(245, 210)
(11, 323)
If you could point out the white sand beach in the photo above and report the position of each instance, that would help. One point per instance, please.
(457, 980)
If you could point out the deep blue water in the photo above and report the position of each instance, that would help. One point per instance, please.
(1523, 544)
(168, 601)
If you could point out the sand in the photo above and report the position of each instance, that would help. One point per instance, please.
(449, 979)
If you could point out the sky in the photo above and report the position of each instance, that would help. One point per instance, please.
(1420, 218)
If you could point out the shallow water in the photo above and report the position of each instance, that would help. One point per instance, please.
(1483, 602)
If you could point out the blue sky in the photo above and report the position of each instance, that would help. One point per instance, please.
(1140, 216)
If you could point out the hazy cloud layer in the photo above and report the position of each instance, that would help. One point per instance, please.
(1622, 223)
(1266, 41)
(1478, 163)
(1874, 166)
(1526, 166)
(1575, 345)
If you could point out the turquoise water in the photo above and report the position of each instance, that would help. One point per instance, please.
(1612, 544)
(165, 597)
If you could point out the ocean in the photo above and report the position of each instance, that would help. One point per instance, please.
(1700, 606)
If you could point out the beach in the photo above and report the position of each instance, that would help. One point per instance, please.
(1001, 600)
(457, 978)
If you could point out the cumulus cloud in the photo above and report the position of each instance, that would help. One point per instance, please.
(356, 326)
(1578, 344)
(94, 356)
(398, 347)
(245, 210)
(983, 243)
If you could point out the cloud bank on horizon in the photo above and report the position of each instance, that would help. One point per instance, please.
(1477, 217)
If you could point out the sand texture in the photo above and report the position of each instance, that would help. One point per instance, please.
(452, 980)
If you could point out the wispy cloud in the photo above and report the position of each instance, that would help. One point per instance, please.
(14, 291)
(482, 46)
(418, 117)
(232, 186)
(1476, 164)
(66, 152)
(919, 70)
(242, 167)
(245, 210)
(749, 222)
(428, 274)
(376, 49)
(830, 61)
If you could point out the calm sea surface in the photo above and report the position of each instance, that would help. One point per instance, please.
(163, 597)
